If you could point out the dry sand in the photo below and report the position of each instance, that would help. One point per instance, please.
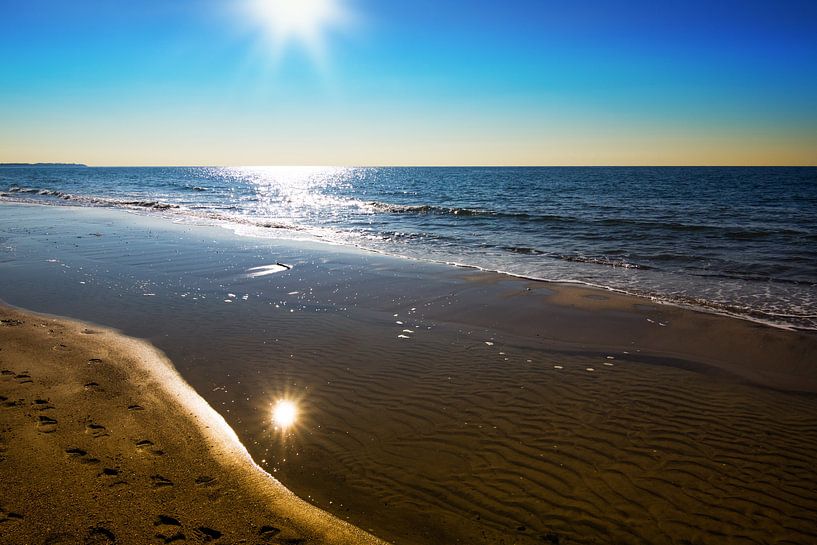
(102, 442)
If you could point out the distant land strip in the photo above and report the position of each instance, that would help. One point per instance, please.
(42, 165)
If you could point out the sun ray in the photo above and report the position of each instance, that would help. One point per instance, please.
(301, 23)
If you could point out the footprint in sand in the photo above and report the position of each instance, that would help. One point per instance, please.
(267, 533)
(178, 537)
(7, 403)
(91, 385)
(9, 516)
(42, 405)
(23, 378)
(146, 445)
(46, 425)
(205, 534)
(100, 536)
(96, 430)
(81, 456)
(169, 529)
(135, 408)
(75, 452)
(205, 480)
(165, 520)
(215, 492)
(160, 482)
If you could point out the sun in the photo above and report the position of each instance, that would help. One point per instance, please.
(305, 23)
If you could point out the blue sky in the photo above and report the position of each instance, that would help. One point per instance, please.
(422, 82)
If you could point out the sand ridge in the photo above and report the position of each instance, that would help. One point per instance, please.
(102, 442)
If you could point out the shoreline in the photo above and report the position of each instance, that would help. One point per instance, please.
(429, 393)
(128, 397)
(651, 299)
(255, 228)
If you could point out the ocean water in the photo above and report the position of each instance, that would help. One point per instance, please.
(737, 241)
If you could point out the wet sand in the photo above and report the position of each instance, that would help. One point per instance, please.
(440, 405)
(102, 442)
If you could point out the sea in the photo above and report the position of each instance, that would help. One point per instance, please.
(735, 241)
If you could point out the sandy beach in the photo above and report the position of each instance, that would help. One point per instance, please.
(103, 443)
(352, 272)
(437, 404)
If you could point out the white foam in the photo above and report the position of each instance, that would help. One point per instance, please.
(265, 270)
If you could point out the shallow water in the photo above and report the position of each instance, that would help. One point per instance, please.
(740, 241)
(467, 429)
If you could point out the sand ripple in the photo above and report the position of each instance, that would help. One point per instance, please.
(479, 450)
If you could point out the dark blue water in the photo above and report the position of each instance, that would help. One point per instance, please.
(740, 241)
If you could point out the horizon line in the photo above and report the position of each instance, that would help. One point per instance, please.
(282, 165)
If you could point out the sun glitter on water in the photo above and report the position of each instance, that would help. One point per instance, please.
(284, 414)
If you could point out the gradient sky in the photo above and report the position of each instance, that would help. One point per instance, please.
(421, 82)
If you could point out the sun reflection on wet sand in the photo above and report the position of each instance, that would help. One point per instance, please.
(284, 414)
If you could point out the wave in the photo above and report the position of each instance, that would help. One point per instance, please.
(592, 260)
(524, 250)
(426, 209)
(606, 261)
(727, 231)
(754, 278)
(368, 239)
(99, 201)
(190, 213)
(420, 209)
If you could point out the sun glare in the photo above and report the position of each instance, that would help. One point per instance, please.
(302, 22)
(284, 414)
